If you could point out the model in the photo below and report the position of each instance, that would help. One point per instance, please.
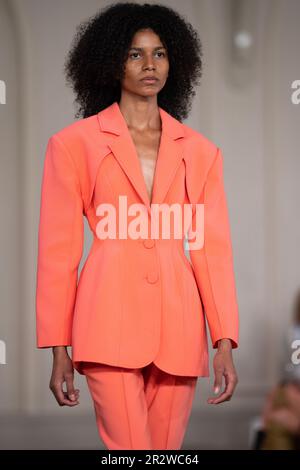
(136, 318)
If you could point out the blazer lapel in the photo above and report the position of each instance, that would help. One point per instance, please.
(170, 153)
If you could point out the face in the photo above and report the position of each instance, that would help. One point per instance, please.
(146, 57)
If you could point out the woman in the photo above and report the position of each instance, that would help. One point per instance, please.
(135, 320)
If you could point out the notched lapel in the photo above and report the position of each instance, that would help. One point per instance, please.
(125, 152)
(169, 157)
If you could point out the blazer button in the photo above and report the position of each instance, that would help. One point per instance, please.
(149, 243)
(152, 277)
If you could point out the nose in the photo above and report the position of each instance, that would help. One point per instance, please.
(148, 62)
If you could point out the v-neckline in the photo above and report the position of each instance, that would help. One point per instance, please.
(150, 199)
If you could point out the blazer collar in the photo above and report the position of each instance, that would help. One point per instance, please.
(170, 153)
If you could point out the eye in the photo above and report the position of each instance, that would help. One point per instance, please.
(133, 54)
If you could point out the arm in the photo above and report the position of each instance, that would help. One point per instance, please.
(214, 272)
(60, 244)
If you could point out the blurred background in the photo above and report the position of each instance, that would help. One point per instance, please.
(249, 106)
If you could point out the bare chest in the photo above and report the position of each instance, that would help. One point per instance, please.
(147, 146)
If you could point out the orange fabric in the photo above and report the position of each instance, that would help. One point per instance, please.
(140, 408)
(136, 301)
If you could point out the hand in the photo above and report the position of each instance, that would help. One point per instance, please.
(63, 371)
(223, 365)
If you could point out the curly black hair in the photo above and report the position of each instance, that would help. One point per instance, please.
(95, 62)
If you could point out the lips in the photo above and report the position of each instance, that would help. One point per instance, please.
(149, 81)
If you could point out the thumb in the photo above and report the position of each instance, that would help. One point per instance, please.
(70, 389)
(218, 381)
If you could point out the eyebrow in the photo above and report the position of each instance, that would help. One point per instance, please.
(141, 48)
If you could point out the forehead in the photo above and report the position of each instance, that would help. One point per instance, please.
(146, 38)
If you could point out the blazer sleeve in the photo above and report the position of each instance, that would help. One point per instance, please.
(213, 262)
(60, 245)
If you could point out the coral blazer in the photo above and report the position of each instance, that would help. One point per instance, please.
(136, 300)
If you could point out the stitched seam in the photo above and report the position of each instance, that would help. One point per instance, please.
(161, 297)
(191, 400)
(120, 320)
(183, 309)
(126, 406)
(90, 202)
(170, 414)
(95, 220)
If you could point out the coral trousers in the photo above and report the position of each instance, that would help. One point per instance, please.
(144, 408)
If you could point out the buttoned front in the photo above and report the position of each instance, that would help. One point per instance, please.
(149, 243)
(137, 300)
(152, 277)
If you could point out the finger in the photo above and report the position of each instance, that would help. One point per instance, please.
(60, 395)
(69, 402)
(77, 395)
(220, 399)
(226, 395)
(218, 380)
(70, 387)
(231, 382)
(57, 391)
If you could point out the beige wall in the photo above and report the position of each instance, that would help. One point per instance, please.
(243, 105)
